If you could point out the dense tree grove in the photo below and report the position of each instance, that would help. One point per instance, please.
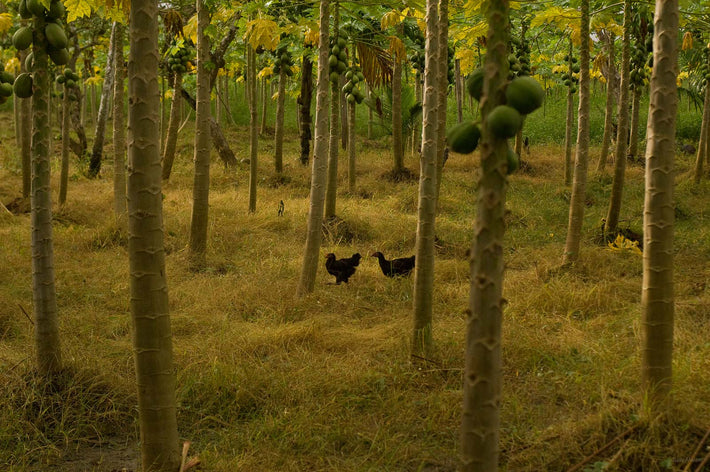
(120, 85)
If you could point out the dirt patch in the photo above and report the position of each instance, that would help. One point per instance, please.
(114, 457)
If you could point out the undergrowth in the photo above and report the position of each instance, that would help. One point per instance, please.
(270, 382)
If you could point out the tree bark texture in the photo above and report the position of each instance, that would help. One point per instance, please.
(482, 376)
(152, 337)
(173, 127)
(634, 136)
(579, 184)
(253, 131)
(201, 181)
(119, 127)
(311, 251)
(106, 94)
(279, 128)
(568, 137)
(657, 299)
(49, 359)
(397, 140)
(351, 148)
(703, 142)
(443, 89)
(64, 173)
(426, 214)
(622, 116)
(610, 98)
(331, 188)
(304, 101)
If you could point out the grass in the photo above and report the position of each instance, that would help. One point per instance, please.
(270, 382)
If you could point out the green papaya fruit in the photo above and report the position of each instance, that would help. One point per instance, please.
(6, 77)
(504, 121)
(5, 89)
(23, 85)
(25, 13)
(36, 8)
(525, 94)
(22, 39)
(463, 138)
(56, 36)
(56, 10)
(29, 61)
(59, 56)
(474, 84)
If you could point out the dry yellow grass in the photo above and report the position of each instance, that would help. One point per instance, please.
(270, 382)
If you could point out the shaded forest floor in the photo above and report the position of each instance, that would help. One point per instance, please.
(269, 382)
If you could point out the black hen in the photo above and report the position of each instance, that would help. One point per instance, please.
(396, 267)
(342, 269)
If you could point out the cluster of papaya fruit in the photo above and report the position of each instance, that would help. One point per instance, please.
(179, 60)
(523, 95)
(352, 92)
(283, 60)
(569, 79)
(51, 21)
(6, 80)
(71, 83)
(338, 59)
(519, 63)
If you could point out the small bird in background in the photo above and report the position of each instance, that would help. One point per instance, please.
(342, 269)
(281, 208)
(401, 267)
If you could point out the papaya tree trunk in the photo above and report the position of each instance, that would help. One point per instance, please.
(443, 88)
(26, 135)
(397, 141)
(304, 100)
(634, 136)
(264, 104)
(311, 251)
(253, 131)
(703, 142)
(351, 149)
(152, 337)
(201, 182)
(426, 213)
(568, 137)
(173, 127)
(622, 116)
(331, 189)
(119, 128)
(279, 128)
(579, 185)
(64, 173)
(610, 97)
(49, 359)
(657, 299)
(482, 376)
(100, 120)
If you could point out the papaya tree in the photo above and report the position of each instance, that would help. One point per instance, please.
(102, 115)
(309, 269)
(119, 126)
(657, 299)
(606, 62)
(337, 62)
(612, 218)
(201, 185)
(579, 182)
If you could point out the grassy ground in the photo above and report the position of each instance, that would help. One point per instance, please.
(270, 382)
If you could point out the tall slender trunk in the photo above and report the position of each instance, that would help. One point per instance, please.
(304, 100)
(397, 141)
(173, 127)
(331, 188)
(26, 135)
(458, 81)
(279, 130)
(64, 174)
(443, 88)
(657, 299)
(320, 160)
(482, 376)
(264, 103)
(579, 185)
(119, 128)
(568, 137)
(49, 359)
(351, 149)
(426, 214)
(610, 97)
(201, 182)
(703, 142)
(152, 337)
(253, 131)
(634, 137)
(622, 116)
(100, 120)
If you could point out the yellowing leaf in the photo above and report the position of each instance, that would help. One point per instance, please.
(190, 29)
(77, 9)
(311, 36)
(687, 41)
(265, 72)
(397, 49)
(5, 22)
(391, 18)
(262, 32)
